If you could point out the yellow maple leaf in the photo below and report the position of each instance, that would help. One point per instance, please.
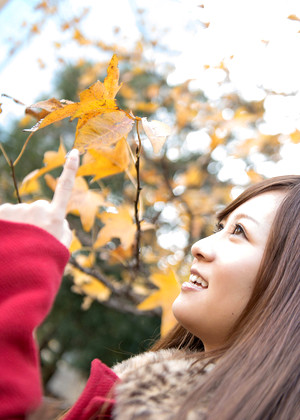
(119, 255)
(156, 132)
(52, 160)
(64, 111)
(111, 82)
(30, 186)
(83, 201)
(99, 120)
(105, 129)
(295, 136)
(75, 244)
(84, 283)
(117, 225)
(105, 162)
(192, 177)
(168, 290)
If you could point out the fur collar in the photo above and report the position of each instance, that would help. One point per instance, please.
(154, 385)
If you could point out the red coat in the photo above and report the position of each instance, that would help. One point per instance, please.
(31, 267)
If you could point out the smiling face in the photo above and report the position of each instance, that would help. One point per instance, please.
(224, 270)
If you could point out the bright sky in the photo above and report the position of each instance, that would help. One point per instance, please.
(264, 44)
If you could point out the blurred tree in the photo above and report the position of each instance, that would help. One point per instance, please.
(129, 249)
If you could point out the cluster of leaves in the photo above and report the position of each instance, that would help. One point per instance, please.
(136, 207)
(101, 134)
(116, 258)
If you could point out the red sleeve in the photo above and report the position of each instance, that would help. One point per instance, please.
(97, 396)
(31, 265)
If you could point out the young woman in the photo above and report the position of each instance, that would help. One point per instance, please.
(235, 351)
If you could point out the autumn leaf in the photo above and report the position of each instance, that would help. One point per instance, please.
(111, 82)
(192, 177)
(120, 255)
(105, 162)
(254, 176)
(117, 225)
(168, 290)
(48, 106)
(52, 160)
(67, 110)
(78, 36)
(83, 202)
(85, 283)
(156, 132)
(100, 123)
(75, 244)
(30, 186)
(294, 17)
(103, 130)
(295, 136)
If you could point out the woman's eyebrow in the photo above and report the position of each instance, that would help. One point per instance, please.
(245, 216)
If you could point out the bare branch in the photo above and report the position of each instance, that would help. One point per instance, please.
(123, 299)
(121, 306)
(12, 167)
(137, 198)
(94, 273)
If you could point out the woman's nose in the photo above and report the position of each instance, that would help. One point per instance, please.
(204, 249)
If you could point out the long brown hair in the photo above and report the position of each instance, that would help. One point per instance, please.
(258, 374)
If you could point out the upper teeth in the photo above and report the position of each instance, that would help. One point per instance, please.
(198, 280)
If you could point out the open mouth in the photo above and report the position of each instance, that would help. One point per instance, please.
(198, 281)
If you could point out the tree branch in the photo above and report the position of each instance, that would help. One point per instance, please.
(12, 167)
(23, 148)
(119, 295)
(123, 307)
(137, 198)
(94, 273)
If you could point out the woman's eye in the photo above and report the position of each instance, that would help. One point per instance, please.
(218, 227)
(238, 230)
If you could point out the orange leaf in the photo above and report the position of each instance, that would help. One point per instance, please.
(52, 160)
(30, 186)
(84, 283)
(96, 99)
(49, 105)
(105, 162)
(46, 107)
(83, 202)
(96, 91)
(103, 130)
(111, 82)
(93, 107)
(57, 115)
(75, 244)
(168, 290)
(156, 132)
(295, 136)
(117, 225)
(294, 17)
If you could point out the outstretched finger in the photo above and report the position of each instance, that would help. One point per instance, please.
(65, 184)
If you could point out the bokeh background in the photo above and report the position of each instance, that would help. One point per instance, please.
(223, 74)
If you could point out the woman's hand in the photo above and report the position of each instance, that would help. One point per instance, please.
(48, 216)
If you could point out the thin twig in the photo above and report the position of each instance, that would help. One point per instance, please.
(95, 274)
(137, 198)
(12, 167)
(23, 148)
(126, 308)
(119, 295)
(4, 154)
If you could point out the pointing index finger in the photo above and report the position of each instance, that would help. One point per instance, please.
(65, 183)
